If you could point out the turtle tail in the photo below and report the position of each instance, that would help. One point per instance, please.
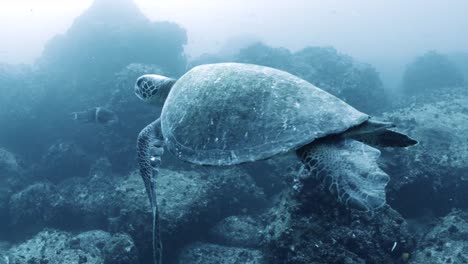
(150, 148)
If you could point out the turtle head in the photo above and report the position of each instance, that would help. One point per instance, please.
(153, 88)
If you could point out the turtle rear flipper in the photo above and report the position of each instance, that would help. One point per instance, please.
(349, 168)
(150, 147)
(379, 134)
(386, 138)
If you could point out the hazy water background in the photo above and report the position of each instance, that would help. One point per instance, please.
(402, 61)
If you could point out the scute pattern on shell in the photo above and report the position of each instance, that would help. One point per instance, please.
(230, 113)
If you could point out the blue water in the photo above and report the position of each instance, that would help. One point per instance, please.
(71, 191)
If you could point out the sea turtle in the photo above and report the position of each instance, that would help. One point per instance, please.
(231, 113)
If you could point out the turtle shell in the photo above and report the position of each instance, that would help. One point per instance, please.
(230, 113)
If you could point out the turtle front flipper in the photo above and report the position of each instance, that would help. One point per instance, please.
(150, 147)
(349, 168)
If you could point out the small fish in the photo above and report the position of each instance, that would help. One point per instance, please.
(98, 115)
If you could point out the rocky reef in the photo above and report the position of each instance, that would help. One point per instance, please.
(71, 193)
(445, 242)
(432, 175)
(431, 71)
(324, 67)
(53, 246)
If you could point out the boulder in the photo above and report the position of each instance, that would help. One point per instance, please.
(200, 253)
(446, 242)
(310, 226)
(430, 176)
(238, 231)
(64, 160)
(190, 202)
(35, 207)
(58, 247)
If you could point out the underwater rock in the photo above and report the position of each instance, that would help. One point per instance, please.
(74, 203)
(102, 167)
(120, 249)
(8, 163)
(460, 60)
(446, 242)
(190, 203)
(325, 67)
(58, 247)
(4, 200)
(76, 71)
(342, 76)
(51, 247)
(91, 241)
(97, 43)
(429, 72)
(311, 227)
(261, 54)
(12, 178)
(64, 160)
(4, 246)
(273, 174)
(199, 253)
(36, 206)
(431, 175)
(89, 201)
(238, 231)
(12, 112)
